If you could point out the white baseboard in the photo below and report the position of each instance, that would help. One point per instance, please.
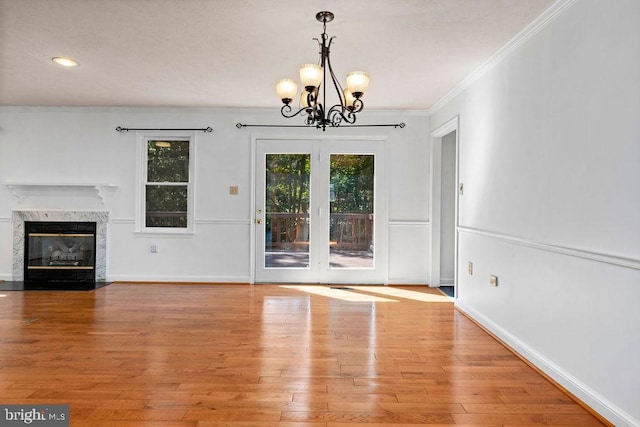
(580, 390)
(186, 279)
(404, 281)
(148, 278)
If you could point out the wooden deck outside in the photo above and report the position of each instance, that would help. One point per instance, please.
(266, 355)
(350, 240)
(337, 259)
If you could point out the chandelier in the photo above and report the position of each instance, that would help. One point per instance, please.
(314, 80)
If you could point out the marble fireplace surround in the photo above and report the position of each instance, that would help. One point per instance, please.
(101, 218)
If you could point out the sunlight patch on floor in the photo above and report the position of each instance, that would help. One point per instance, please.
(345, 295)
(404, 293)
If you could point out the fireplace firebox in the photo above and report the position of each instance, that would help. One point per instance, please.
(60, 252)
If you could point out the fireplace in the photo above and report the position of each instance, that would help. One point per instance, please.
(56, 252)
(89, 270)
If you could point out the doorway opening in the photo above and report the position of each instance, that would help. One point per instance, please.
(444, 205)
(448, 209)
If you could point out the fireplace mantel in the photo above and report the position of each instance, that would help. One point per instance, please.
(21, 189)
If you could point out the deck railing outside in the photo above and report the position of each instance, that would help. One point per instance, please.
(166, 219)
(347, 231)
(290, 231)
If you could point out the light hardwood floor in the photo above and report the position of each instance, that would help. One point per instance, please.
(266, 355)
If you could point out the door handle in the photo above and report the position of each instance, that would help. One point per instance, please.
(258, 221)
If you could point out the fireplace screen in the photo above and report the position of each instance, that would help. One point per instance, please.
(60, 250)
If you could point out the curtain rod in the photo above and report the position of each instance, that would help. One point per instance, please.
(243, 125)
(121, 129)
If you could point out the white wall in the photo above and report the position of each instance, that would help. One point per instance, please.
(80, 145)
(550, 161)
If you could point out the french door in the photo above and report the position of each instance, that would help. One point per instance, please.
(320, 215)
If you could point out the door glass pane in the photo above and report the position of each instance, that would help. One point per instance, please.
(286, 231)
(351, 220)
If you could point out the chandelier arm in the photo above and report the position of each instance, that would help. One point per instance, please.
(312, 101)
(334, 79)
(337, 114)
(358, 105)
(286, 109)
(348, 114)
(309, 121)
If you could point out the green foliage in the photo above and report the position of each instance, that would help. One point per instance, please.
(352, 177)
(164, 198)
(168, 164)
(166, 206)
(287, 183)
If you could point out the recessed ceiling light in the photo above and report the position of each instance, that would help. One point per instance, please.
(65, 62)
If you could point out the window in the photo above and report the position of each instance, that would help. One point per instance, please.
(166, 183)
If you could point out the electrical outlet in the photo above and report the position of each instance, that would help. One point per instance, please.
(153, 248)
(470, 268)
(493, 280)
(233, 190)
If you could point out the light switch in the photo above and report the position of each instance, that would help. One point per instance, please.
(493, 280)
(233, 190)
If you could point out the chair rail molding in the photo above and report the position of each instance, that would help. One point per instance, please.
(616, 260)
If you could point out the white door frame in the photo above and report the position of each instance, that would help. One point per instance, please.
(436, 199)
(378, 146)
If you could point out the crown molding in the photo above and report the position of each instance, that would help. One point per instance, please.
(548, 16)
(230, 111)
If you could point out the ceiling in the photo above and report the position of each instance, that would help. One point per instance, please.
(230, 53)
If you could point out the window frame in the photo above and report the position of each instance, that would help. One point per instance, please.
(143, 139)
